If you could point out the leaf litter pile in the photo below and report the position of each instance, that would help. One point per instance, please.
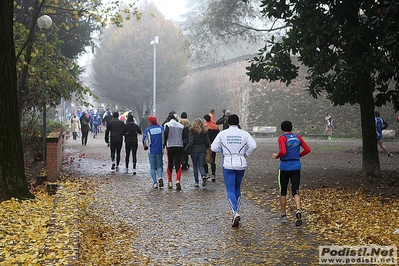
(39, 231)
(105, 241)
(344, 216)
(45, 231)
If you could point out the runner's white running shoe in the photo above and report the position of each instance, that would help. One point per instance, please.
(390, 157)
(236, 220)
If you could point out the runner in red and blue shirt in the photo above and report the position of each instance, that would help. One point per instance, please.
(290, 168)
(153, 141)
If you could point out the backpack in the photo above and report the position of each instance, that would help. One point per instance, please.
(384, 124)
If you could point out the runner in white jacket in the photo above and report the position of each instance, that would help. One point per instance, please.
(235, 145)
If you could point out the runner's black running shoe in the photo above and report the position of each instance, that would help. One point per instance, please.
(298, 217)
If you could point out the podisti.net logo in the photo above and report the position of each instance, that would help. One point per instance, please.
(358, 255)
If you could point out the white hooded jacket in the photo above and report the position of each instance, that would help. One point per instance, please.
(235, 145)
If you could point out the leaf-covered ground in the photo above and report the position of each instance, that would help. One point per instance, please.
(42, 231)
(346, 216)
(119, 219)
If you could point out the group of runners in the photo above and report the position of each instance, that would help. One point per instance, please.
(180, 138)
(234, 143)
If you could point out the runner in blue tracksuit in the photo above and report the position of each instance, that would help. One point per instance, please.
(95, 120)
(235, 145)
(153, 138)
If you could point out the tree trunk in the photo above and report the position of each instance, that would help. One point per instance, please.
(13, 181)
(371, 161)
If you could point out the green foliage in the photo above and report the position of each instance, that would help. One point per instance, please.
(55, 125)
(350, 52)
(32, 132)
(75, 20)
(52, 69)
(123, 65)
(47, 58)
(336, 40)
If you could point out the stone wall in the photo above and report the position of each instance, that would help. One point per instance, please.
(226, 86)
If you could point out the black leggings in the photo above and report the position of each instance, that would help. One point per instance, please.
(284, 177)
(84, 137)
(175, 155)
(213, 165)
(116, 147)
(185, 157)
(131, 146)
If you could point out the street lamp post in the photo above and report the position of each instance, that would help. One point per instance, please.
(44, 23)
(154, 105)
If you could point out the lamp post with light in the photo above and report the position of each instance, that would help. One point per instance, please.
(44, 23)
(154, 108)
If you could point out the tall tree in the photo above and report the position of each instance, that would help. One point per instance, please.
(13, 182)
(350, 49)
(123, 63)
(73, 24)
(219, 30)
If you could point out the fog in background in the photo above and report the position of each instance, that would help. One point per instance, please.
(206, 49)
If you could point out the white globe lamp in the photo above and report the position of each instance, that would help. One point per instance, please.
(44, 22)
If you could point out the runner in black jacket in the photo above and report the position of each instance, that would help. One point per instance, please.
(130, 131)
(115, 129)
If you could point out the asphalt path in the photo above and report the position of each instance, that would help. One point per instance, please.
(191, 226)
